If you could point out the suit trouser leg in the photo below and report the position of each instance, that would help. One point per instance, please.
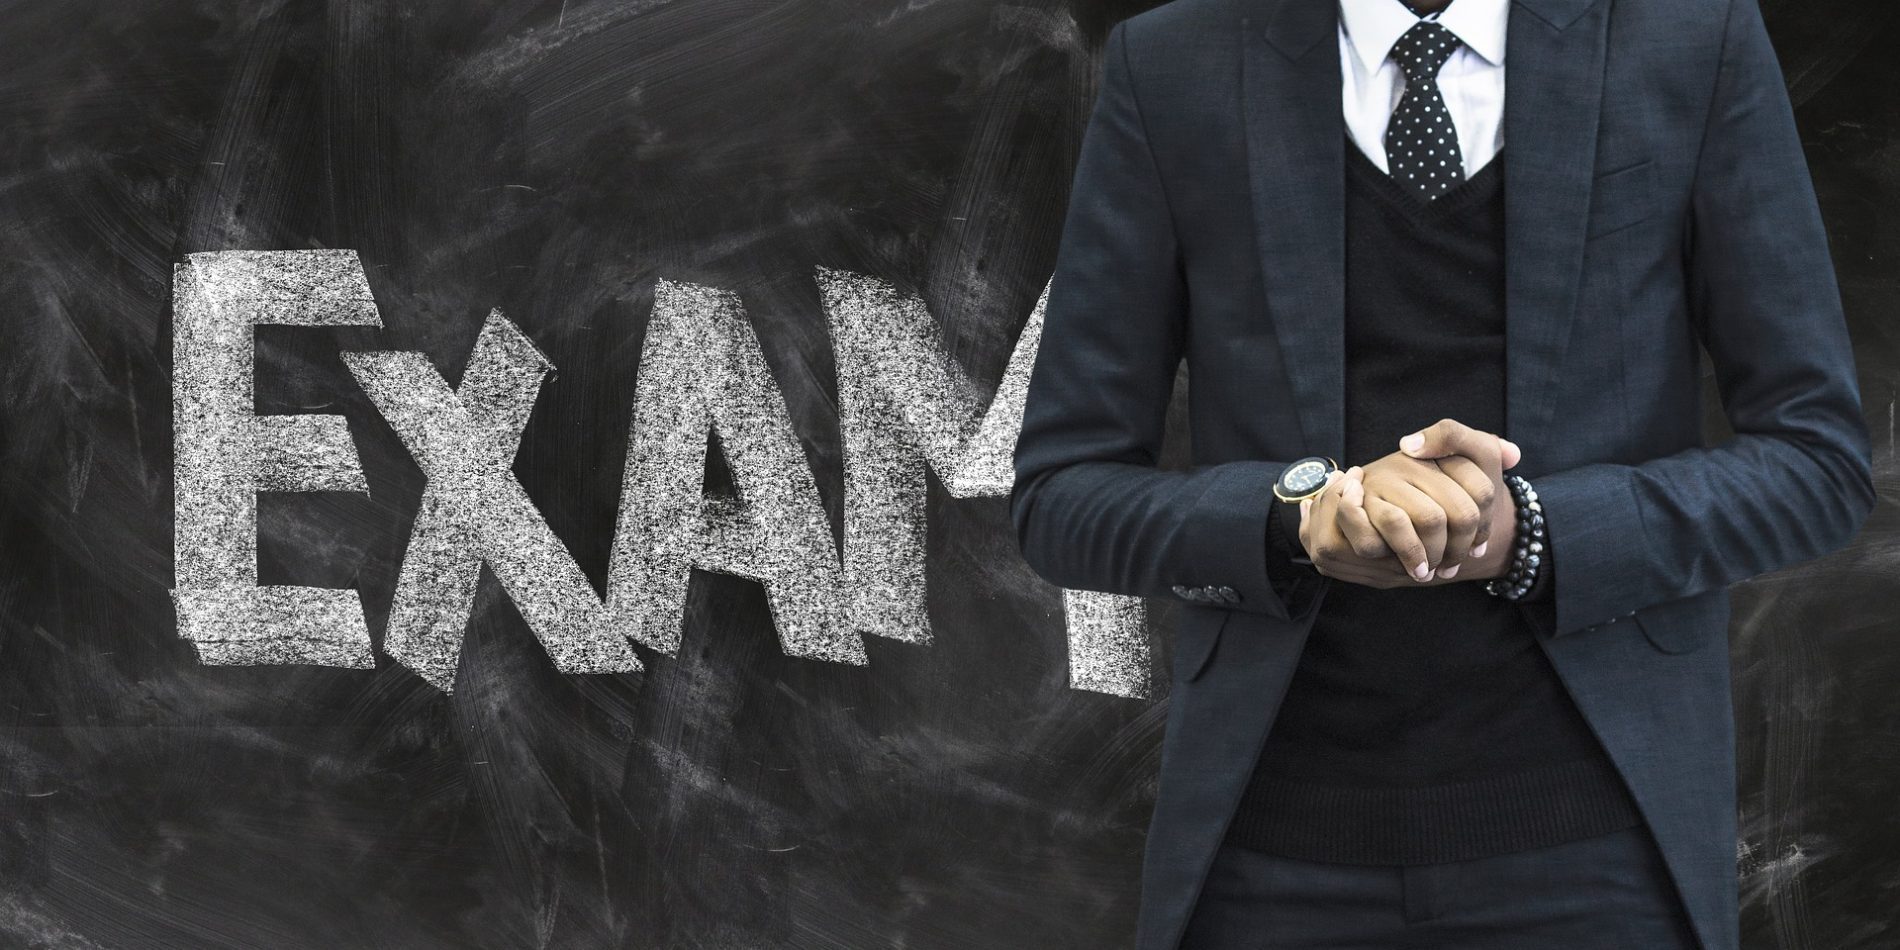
(1606, 891)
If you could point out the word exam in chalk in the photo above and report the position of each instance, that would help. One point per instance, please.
(904, 404)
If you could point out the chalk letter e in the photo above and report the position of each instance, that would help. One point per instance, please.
(225, 454)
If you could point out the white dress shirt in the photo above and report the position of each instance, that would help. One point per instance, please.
(1472, 79)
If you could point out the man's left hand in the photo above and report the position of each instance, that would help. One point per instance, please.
(1473, 458)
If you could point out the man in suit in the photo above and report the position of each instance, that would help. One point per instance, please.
(1505, 226)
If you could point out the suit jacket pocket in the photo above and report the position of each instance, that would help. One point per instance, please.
(1686, 624)
(1622, 198)
(1195, 637)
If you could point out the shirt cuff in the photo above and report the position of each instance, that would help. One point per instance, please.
(1288, 569)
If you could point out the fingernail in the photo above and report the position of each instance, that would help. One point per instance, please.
(1413, 442)
(1451, 571)
(1478, 551)
(1422, 571)
(1509, 443)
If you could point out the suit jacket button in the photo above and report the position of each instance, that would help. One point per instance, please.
(1229, 595)
(1180, 590)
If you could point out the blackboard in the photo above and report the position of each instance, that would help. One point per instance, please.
(844, 215)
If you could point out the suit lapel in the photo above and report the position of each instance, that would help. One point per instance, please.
(1290, 90)
(1553, 84)
(1295, 135)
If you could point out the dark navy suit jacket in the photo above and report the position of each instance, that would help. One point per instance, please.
(1656, 196)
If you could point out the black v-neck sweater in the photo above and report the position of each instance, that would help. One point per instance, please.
(1424, 724)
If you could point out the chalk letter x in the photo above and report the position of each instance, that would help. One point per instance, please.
(474, 510)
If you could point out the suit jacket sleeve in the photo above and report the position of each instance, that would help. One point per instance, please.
(1795, 481)
(1091, 509)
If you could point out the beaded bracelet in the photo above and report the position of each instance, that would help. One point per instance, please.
(1527, 555)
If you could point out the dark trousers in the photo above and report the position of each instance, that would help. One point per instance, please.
(1607, 891)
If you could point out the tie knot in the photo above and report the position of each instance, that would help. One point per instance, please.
(1423, 49)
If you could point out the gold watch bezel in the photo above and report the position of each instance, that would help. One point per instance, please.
(1315, 493)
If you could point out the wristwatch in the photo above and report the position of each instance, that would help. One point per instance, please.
(1304, 478)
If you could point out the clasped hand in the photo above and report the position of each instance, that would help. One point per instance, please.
(1422, 515)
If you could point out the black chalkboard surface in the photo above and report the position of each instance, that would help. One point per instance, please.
(526, 474)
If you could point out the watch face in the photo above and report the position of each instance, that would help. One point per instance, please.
(1303, 476)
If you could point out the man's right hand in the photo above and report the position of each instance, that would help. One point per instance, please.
(1411, 520)
(1334, 555)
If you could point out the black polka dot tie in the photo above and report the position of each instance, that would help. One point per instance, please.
(1421, 147)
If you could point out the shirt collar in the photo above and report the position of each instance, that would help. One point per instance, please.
(1373, 26)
